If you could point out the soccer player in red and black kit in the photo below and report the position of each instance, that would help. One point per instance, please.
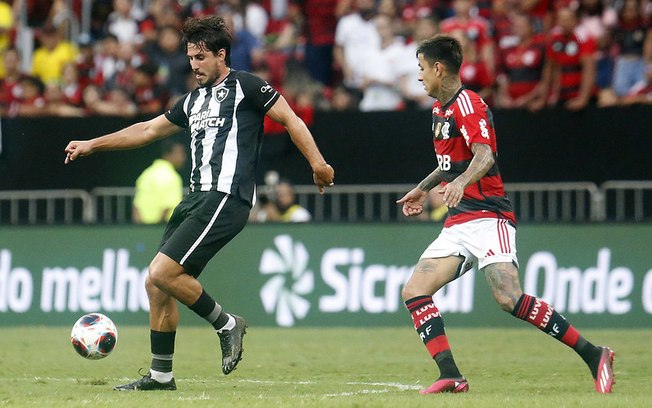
(480, 226)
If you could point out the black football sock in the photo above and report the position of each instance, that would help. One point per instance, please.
(162, 347)
(207, 308)
(430, 326)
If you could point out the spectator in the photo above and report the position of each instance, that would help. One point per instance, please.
(570, 67)
(641, 93)
(9, 89)
(633, 36)
(411, 87)
(159, 188)
(246, 51)
(30, 100)
(520, 66)
(124, 21)
(283, 44)
(249, 15)
(129, 57)
(319, 33)
(343, 100)
(285, 208)
(48, 59)
(6, 25)
(540, 12)
(289, 210)
(438, 210)
(56, 103)
(151, 98)
(356, 37)
(474, 72)
(117, 103)
(84, 62)
(106, 60)
(382, 71)
(70, 85)
(434, 207)
(502, 12)
(171, 59)
(476, 30)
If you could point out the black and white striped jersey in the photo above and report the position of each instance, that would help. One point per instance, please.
(225, 122)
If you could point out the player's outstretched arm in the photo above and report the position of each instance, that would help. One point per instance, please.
(322, 173)
(413, 201)
(136, 135)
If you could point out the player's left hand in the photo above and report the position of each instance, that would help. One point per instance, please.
(323, 176)
(453, 193)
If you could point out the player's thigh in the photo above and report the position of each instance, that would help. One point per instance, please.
(490, 240)
(205, 231)
(430, 275)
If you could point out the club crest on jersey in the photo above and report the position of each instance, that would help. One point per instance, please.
(221, 94)
(442, 130)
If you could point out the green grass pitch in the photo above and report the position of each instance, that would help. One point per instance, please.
(334, 367)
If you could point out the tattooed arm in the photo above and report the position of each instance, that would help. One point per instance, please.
(413, 200)
(483, 159)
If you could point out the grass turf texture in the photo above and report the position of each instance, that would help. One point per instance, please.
(337, 367)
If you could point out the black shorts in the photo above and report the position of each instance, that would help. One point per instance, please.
(200, 226)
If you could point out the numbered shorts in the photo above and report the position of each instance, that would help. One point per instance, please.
(485, 241)
(200, 226)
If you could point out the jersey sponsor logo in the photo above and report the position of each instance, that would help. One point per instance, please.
(436, 110)
(203, 120)
(221, 94)
(444, 161)
(448, 113)
(266, 88)
(465, 134)
(483, 128)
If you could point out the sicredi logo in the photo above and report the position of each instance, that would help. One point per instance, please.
(346, 283)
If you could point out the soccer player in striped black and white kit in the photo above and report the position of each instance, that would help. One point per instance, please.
(224, 117)
(480, 226)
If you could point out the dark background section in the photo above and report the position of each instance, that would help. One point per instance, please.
(364, 148)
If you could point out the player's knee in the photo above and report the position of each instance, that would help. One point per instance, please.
(155, 278)
(408, 293)
(505, 301)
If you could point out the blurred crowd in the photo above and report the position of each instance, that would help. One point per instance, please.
(342, 55)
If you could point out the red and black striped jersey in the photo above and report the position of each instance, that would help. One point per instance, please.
(463, 121)
(523, 66)
(567, 51)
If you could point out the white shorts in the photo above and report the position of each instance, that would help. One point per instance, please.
(487, 241)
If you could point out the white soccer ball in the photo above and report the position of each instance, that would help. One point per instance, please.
(94, 336)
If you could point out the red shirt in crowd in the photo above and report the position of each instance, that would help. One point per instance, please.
(523, 66)
(567, 51)
(476, 30)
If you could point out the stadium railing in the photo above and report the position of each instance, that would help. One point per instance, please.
(627, 200)
(46, 207)
(533, 202)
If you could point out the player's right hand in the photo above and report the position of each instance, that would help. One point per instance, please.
(77, 148)
(413, 202)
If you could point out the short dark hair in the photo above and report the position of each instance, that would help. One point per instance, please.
(444, 49)
(209, 32)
